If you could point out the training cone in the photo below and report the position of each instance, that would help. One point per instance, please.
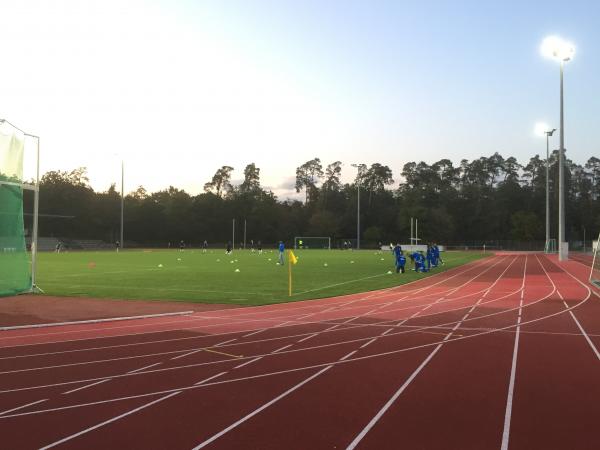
(389, 272)
(325, 264)
(160, 265)
(237, 270)
(92, 265)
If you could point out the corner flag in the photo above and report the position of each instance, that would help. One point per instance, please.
(292, 260)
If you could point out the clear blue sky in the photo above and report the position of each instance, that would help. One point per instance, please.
(278, 83)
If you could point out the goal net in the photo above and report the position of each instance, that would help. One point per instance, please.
(310, 242)
(595, 272)
(550, 246)
(15, 271)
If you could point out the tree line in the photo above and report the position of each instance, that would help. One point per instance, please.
(486, 199)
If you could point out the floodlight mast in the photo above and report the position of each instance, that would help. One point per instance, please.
(562, 51)
(543, 129)
(359, 168)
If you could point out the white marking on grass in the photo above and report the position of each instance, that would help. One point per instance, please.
(106, 422)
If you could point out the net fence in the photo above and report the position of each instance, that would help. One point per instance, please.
(15, 271)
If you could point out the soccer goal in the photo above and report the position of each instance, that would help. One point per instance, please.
(16, 274)
(550, 246)
(595, 272)
(311, 242)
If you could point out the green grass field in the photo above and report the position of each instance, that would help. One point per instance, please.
(211, 277)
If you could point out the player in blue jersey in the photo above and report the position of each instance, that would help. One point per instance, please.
(400, 258)
(281, 251)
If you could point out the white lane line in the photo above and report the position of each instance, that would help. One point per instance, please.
(258, 410)
(386, 332)
(587, 337)
(310, 336)
(389, 403)
(187, 354)
(23, 406)
(348, 355)
(255, 332)
(282, 348)
(247, 362)
(86, 386)
(143, 368)
(225, 342)
(106, 422)
(209, 378)
(368, 343)
(513, 372)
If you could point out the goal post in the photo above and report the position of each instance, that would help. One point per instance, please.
(550, 246)
(595, 270)
(16, 274)
(312, 242)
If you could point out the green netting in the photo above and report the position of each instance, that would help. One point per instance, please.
(15, 272)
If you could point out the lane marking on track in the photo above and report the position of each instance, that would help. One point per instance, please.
(513, 368)
(247, 362)
(106, 422)
(586, 335)
(403, 387)
(282, 348)
(145, 367)
(86, 386)
(258, 410)
(209, 378)
(23, 406)
(83, 322)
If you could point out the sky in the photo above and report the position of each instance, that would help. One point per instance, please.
(176, 88)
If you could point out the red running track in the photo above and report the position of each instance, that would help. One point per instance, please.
(501, 353)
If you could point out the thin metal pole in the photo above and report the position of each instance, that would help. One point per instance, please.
(122, 200)
(358, 218)
(36, 210)
(547, 191)
(562, 255)
(416, 231)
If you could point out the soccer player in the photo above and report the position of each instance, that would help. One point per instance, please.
(228, 251)
(438, 257)
(204, 246)
(422, 262)
(429, 257)
(281, 251)
(117, 245)
(181, 246)
(252, 245)
(400, 259)
(259, 247)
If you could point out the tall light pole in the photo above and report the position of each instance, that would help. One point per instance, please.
(122, 200)
(541, 130)
(562, 51)
(360, 170)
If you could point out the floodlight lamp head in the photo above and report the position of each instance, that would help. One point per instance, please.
(556, 48)
(542, 129)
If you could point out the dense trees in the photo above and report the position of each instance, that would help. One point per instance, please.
(489, 198)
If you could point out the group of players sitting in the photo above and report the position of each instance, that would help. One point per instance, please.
(423, 261)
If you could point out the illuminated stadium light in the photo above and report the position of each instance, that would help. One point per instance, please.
(554, 47)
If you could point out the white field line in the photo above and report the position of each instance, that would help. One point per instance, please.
(291, 306)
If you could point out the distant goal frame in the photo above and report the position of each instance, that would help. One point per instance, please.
(299, 238)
